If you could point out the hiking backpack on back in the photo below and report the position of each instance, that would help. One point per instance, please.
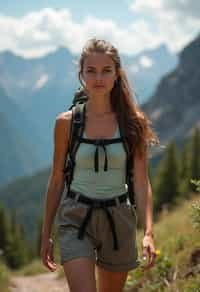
(76, 131)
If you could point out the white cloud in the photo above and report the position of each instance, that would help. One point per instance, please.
(145, 6)
(181, 8)
(145, 61)
(41, 81)
(176, 21)
(40, 32)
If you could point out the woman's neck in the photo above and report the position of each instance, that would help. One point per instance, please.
(99, 107)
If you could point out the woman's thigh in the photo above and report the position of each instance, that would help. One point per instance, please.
(110, 281)
(80, 274)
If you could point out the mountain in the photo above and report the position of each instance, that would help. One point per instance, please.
(21, 77)
(18, 154)
(26, 195)
(174, 109)
(43, 87)
(24, 78)
(147, 68)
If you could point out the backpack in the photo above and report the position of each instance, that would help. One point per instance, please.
(76, 132)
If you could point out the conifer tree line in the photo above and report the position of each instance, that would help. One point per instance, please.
(172, 180)
(15, 251)
(170, 185)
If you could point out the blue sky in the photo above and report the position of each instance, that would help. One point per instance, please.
(101, 9)
(34, 28)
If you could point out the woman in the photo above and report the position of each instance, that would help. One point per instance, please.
(109, 101)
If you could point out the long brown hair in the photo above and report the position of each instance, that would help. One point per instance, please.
(135, 123)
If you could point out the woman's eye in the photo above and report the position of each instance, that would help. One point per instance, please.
(90, 71)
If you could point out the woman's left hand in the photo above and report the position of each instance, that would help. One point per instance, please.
(148, 251)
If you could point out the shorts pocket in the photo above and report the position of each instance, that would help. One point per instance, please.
(133, 209)
(68, 201)
(129, 212)
(66, 205)
(72, 212)
(125, 223)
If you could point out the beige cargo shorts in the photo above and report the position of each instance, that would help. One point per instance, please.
(97, 243)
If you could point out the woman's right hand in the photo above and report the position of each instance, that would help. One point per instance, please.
(46, 253)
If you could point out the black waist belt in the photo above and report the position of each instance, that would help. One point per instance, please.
(96, 204)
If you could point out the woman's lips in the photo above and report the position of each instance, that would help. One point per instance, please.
(99, 86)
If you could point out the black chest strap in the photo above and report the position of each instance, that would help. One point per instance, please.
(99, 143)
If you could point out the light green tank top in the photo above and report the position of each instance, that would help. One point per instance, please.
(101, 184)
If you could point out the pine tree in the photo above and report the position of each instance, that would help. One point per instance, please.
(4, 229)
(195, 157)
(16, 249)
(185, 170)
(166, 181)
(39, 234)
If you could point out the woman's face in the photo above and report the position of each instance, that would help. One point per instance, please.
(99, 73)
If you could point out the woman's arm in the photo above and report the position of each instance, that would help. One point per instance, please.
(144, 203)
(143, 192)
(56, 180)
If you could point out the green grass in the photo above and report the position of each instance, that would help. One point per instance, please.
(36, 267)
(175, 240)
(33, 268)
(4, 277)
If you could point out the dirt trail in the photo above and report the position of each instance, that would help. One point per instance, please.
(39, 283)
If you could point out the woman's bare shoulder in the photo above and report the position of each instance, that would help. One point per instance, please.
(61, 139)
(63, 123)
(64, 116)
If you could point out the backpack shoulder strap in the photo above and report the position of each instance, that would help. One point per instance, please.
(129, 166)
(78, 123)
(78, 100)
(77, 128)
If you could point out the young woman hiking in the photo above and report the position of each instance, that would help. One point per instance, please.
(96, 222)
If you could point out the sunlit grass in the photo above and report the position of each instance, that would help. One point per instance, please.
(175, 238)
(4, 277)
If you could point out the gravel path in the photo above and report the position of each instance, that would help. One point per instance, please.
(39, 283)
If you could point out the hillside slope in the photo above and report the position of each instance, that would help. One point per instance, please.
(174, 108)
(177, 242)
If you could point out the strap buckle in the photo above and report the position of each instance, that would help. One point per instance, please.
(97, 204)
(117, 202)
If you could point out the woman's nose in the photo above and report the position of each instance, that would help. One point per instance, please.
(98, 76)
